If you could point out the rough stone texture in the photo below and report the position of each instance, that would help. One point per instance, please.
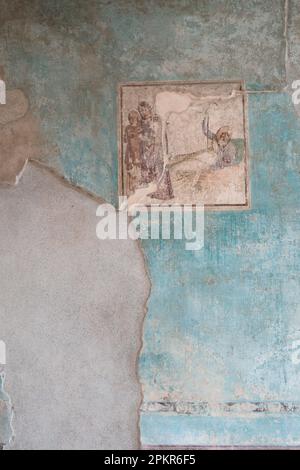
(71, 316)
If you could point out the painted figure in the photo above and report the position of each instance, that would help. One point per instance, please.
(152, 161)
(133, 150)
(226, 149)
(166, 160)
(150, 143)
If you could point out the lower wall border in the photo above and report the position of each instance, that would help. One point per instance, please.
(218, 432)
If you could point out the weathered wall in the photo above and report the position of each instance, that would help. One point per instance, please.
(220, 371)
(223, 369)
(69, 56)
(216, 364)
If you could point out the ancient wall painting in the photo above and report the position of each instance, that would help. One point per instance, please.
(184, 143)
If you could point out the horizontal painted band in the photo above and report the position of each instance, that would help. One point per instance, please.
(181, 430)
(219, 409)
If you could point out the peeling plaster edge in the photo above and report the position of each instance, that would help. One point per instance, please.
(11, 184)
(20, 174)
(68, 183)
(142, 335)
(100, 200)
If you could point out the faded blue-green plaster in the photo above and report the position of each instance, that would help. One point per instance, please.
(221, 322)
(218, 431)
(69, 56)
(6, 431)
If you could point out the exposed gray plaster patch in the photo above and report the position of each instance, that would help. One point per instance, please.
(74, 337)
(96, 198)
(66, 182)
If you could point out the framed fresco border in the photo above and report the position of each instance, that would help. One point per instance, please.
(120, 137)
